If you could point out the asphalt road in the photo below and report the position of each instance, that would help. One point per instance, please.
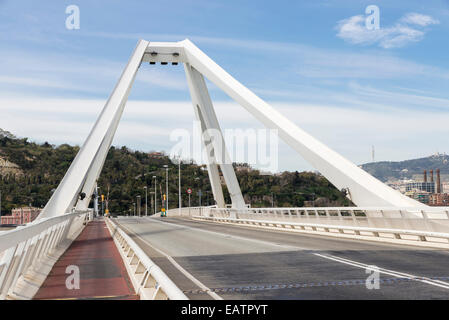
(209, 260)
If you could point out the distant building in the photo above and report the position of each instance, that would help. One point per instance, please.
(421, 186)
(445, 187)
(266, 173)
(399, 185)
(308, 203)
(243, 168)
(439, 199)
(421, 196)
(156, 155)
(21, 215)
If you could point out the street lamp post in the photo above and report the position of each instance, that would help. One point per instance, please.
(166, 187)
(139, 203)
(179, 184)
(197, 179)
(154, 177)
(146, 200)
(134, 206)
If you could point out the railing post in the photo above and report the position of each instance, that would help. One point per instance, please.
(43, 247)
(39, 244)
(426, 220)
(21, 262)
(11, 271)
(31, 252)
(67, 229)
(51, 236)
(6, 261)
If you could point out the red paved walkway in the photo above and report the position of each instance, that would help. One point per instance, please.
(102, 272)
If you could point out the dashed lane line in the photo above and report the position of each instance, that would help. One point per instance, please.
(307, 285)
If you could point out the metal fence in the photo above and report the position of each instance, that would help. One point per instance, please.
(25, 250)
(149, 281)
(429, 224)
(432, 219)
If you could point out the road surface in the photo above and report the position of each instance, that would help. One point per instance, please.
(209, 260)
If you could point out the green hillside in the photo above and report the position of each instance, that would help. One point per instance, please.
(385, 170)
(40, 167)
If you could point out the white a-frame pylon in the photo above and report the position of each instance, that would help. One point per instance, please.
(76, 188)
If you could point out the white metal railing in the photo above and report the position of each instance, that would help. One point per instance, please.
(189, 211)
(149, 281)
(432, 219)
(424, 224)
(429, 224)
(398, 234)
(24, 250)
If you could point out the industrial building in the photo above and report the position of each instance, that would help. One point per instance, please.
(428, 192)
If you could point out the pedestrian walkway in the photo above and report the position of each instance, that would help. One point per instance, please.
(102, 273)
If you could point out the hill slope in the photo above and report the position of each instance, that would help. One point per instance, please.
(386, 170)
(126, 172)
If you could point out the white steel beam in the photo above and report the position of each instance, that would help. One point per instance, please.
(89, 160)
(365, 190)
(96, 167)
(212, 168)
(196, 81)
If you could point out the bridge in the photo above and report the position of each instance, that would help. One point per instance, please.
(389, 246)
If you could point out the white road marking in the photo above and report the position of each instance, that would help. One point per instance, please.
(180, 268)
(393, 273)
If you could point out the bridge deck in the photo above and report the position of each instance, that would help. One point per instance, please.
(102, 272)
(241, 262)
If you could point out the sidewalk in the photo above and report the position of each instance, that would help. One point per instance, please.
(101, 269)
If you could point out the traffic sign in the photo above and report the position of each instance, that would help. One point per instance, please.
(189, 191)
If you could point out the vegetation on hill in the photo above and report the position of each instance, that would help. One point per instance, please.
(387, 170)
(126, 172)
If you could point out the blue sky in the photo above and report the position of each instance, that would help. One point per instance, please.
(313, 60)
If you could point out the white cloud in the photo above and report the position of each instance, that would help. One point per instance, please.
(146, 125)
(408, 29)
(311, 61)
(419, 19)
(31, 81)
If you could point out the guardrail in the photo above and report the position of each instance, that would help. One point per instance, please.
(397, 234)
(30, 251)
(149, 281)
(189, 211)
(432, 219)
(428, 225)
